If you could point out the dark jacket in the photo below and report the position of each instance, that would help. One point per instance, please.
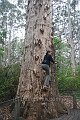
(47, 59)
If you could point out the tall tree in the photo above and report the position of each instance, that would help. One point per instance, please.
(79, 42)
(71, 40)
(38, 40)
(12, 24)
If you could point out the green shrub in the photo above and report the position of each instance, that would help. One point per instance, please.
(66, 81)
(9, 78)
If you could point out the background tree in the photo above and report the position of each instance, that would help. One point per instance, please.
(12, 22)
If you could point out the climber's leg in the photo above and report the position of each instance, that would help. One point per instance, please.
(46, 68)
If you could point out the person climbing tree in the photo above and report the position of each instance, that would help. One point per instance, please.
(46, 66)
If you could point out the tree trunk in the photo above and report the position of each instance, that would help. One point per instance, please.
(71, 40)
(4, 29)
(38, 39)
(9, 47)
(79, 42)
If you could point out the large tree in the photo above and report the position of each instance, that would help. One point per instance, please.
(38, 39)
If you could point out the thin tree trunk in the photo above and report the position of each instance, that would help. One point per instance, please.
(71, 40)
(79, 43)
(4, 28)
(9, 47)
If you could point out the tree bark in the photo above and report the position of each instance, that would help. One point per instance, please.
(38, 39)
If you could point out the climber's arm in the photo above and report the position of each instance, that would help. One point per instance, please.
(51, 59)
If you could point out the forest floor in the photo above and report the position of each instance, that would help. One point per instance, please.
(5, 112)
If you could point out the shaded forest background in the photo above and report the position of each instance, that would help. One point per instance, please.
(66, 24)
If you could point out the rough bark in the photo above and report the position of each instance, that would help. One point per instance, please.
(38, 39)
